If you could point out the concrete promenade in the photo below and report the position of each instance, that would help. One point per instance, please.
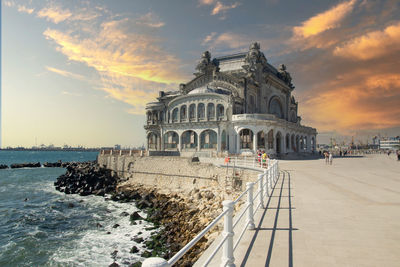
(345, 214)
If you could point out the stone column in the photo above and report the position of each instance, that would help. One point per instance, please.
(180, 141)
(237, 143)
(162, 139)
(198, 142)
(255, 141)
(219, 140)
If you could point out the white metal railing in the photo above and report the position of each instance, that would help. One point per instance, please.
(265, 182)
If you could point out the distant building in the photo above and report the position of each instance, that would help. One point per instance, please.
(237, 103)
(117, 147)
(391, 143)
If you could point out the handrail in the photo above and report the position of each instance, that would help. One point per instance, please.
(270, 175)
(189, 245)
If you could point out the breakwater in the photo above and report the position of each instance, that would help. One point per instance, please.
(179, 216)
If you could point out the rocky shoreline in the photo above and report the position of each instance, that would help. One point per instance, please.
(179, 217)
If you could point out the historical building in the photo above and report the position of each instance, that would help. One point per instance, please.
(237, 103)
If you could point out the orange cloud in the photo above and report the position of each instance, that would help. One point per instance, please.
(324, 21)
(368, 103)
(133, 67)
(371, 45)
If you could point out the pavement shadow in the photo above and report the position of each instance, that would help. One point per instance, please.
(283, 175)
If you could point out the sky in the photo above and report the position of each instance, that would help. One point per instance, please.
(80, 72)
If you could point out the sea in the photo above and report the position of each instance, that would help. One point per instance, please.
(40, 226)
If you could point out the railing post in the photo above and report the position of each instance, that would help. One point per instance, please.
(130, 152)
(111, 152)
(155, 262)
(227, 258)
(261, 186)
(266, 182)
(120, 152)
(250, 215)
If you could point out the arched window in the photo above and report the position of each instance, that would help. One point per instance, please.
(275, 107)
(152, 141)
(148, 117)
(210, 111)
(183, 113)
(175, 115)
(208, 139)
(171, 140)
(201, 111)
(192, 112)
(189, 139)
(246, 138)
(162, 116)
(220, 112)
(261, 140)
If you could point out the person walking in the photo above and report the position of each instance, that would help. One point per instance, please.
(330, 158)
(326, 155)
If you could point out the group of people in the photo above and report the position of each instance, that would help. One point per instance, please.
(262, 158)
(328, 157)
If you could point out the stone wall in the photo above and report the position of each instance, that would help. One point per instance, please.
(176, 174)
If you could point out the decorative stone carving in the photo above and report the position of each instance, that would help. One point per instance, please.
(285, 75)
(255, 59)
(205, 64)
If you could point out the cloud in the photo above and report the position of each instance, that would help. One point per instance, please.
(226, 40)
(24, 9)
(133, 67)
(358, 100)
(324, 21)
(66, 73)
(371, 45)
(221, 8)
(70, 93)
(55, 14)
(9, 3)
(206, 2)
(150, 20)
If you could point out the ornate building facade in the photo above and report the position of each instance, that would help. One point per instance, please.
(235, 104)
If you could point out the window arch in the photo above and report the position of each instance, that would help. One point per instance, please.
(287, 141)
(183, 113)
(189, 139)
(246, 138)
(210, 111)
(208, 139)
(275, 107)
(220, 111)
(192, 112)
(152, 140)
(171, 140)
(201, 111)
(175, 115)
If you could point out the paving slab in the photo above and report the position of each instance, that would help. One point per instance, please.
(344, 214)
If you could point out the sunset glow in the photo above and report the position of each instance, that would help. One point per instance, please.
(81, 72)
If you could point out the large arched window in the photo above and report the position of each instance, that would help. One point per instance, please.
(189, 139)
(246, 138)
(201, 111)
(175, 115)
(261, 140)
(275, 107)
(208, 139)
(152, 141)
(210, 111)
(148, 117)
(171, 140)
(192, 112)
(183, 113)
(220, 112)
